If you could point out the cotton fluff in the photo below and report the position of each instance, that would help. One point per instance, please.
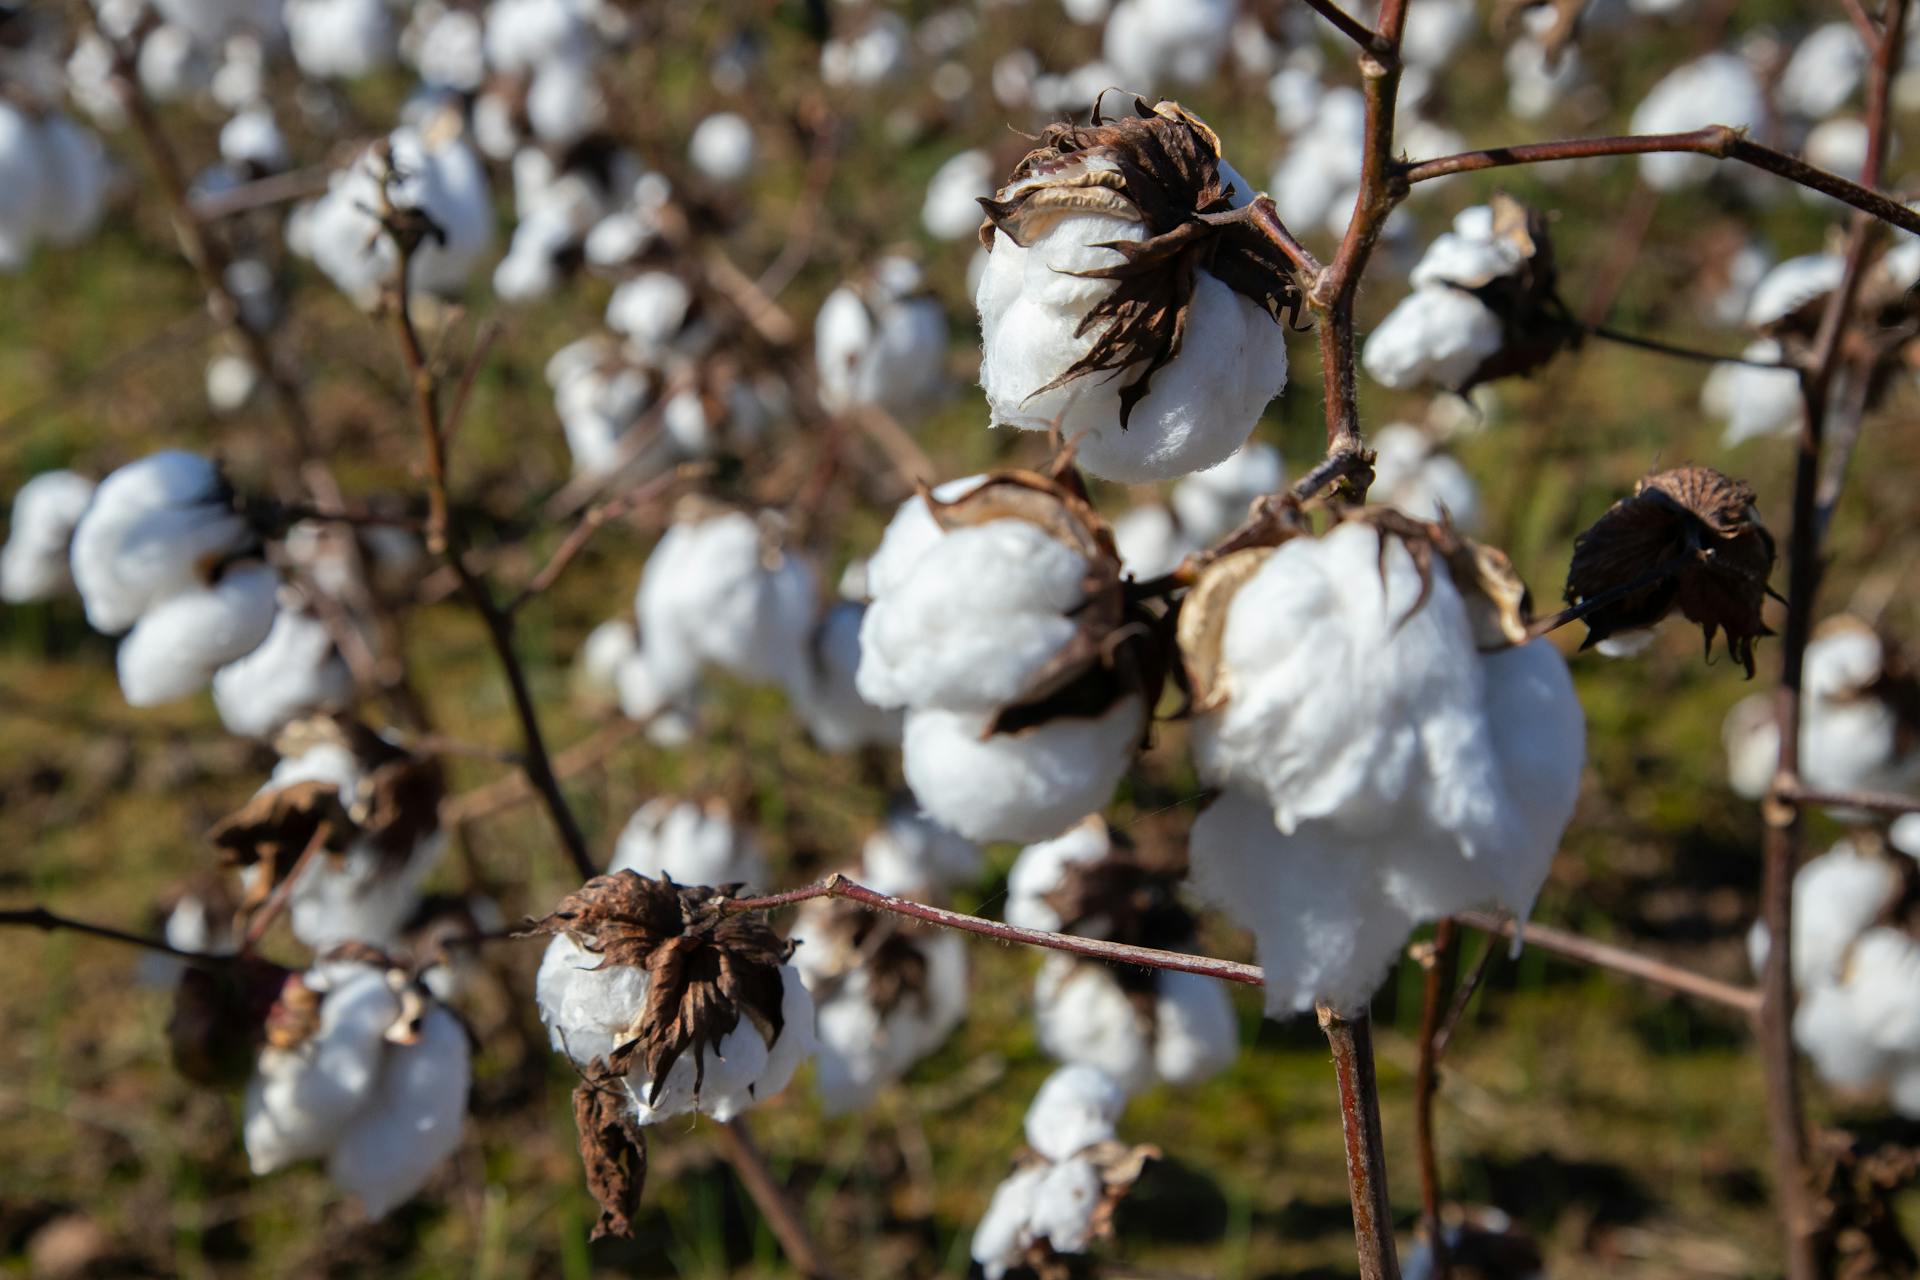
(1755, 403)
(34, 562)
(1052, 1200)
(1413, 476)
(717, 591)
(1202, 404)
(1442, 779)
(1151, 541)
(1213, 502)
(596, 668)
(689, 843)
(591, 1008)
(1440, 334)
(952, 207)
(295, 671)
(339, 39)
(882, 341)
(1151, 44)
(1836, 897)
(911, 854)
(828, 700)
(650, 310)
(598, 396)
(437, 173)
(381, 1102)
(722, 147)
(1718, 88)
(874, 54)
(53, 180)
(1791, 285)
(1828, 64)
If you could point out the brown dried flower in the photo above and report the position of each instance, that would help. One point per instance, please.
(1535, 324)
(613, 1151)
(224, 1011)
(1160, 167)
(1688, 539)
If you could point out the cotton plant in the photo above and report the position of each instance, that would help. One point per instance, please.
(1066, 1182)
(369, 810)
(1857, 706)
(881, 340)
(35, 562)
(689, 842)
(365, 1071)
(1096, 320)
(996, 619)
(1413, 475)
(1139, 1027)
(1443, 780)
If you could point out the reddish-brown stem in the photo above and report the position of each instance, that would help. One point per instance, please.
(1863, 22)
(1350, 1036)
(589, 523)
(1439, 959)
(282, 894)
(1602, 955)
(1263, 215)
(1869, 801)
(50, 922)
(1354, 29)
(838, 886)
(789, 1228)
(1463, 994)
(1718, 141)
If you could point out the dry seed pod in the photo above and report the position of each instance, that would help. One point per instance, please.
(1688, 539)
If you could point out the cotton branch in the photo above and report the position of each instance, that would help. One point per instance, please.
(1440, 959)
(1350, 1037)
(50, 922)
(736, 1144)
(1601, 955)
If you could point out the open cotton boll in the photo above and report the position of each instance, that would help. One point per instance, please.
(874, 54)
(339, 39)
(689, 843)
(1883, 975)
(177, 645)
(1827, 65)
(909, 535)
(1151, 541)
(1004, 1233)
(447, 48)
(413, 1120)
(1152, 44)
(565, 103)
(1017, 786)
(912, 854)
(650, 310)
(587, 1007)
(1793, 284)
(1536, 82)
(171, 64)
(211, 21)
(1435, 31)
(361, 896)
(881, 341)
(154, 529)
(1082, 1016)
(294, 671)
(596, 667)
(1410, 475)
(1317, 169)
(597, 405)
(23, 186)
(951, 210)
(1040, 868)
(300, 1100)
(1436, 336)
(523, 35)
(1718, 88)
(1828, 1029)
(73, 192)
(1212, 502)
(1754, 403)
(1076, 1107)
(34, 563)
(1196, 1035)
(253, 138)
(722, 147)
(828, 700)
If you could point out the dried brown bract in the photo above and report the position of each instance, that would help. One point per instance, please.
(223, 1012)
(1119, 1166)
(706, 969)
(854, 938)
(1688, 539)
(613, 1152)
(275, 827)
(1159, 167)
(1535, 324)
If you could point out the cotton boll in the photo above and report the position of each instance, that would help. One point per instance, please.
(722, 147)
(1076, 1107)
(1436, 336)
(1017, 786)
(339, 39)
(34, 562)
(450, 50)
(1755, 403)
(300, 1100)
(171, 64)
(596, 668)
(294, 671)
(1828, 1029)
(523, 35)
(951, 210)
(1212, 502)
(1082, 1016)
(1001, 1239)
(1537, 83)
(152, 530)
(598, 398)
(1883, 979)
(1151, 542)
(1828, 64)
(73, 196)
(178, 644)
(252, 137)
(912, 854)
(1792, 285)
(1041, 868)
(588, 1007)
(23, 186)
(1410, 475)
(412, 1121)
(650, 309)
(1195, 1033)
(1154, 43)
(837, 717)
(741, 1072)
(861, 1047)
(361, 896)
(1752, 742)
(689, 843)
(1838, 146)
(1434, 32)
(881, 342)
(908, 537)
(565, 103)
(873, 55)
(1718, 88)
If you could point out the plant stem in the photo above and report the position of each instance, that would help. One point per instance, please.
(1602, 955)
(1440, 962)
(789, 1228)
(1350, 1036)
(50, 922)
(1610, 334)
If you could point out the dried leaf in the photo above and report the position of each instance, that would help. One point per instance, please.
(613, 1151)
(1202, 626)
(276, 826)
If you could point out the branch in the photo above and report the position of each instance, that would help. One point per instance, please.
(514, 789)
(1602, 955)
(1793, 793)
(48, 922)
(1717, 141)
(1440, 959)
(589, 523)
(736, 1144)
(1609, 334)
(1353, 29)
(1350, 1036)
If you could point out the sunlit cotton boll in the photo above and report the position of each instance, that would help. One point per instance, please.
(689, 843)
(1173, 1027)
(339, 39)
(951, 210)
(1444, 778)
(294, 671)
(1151, 541)
(1213, 502)
(1411, 475)
(1836, 897)
(596, 667)
(912, 854)
(1152, 44)
(828, 700)
(171, 64)
(383, 1103)
(1436, 336)
(1076, 1107)
(598, 396)
(253, 138)
(1718, 88)
(881, 341)
(155, 528)
(590, 1008)
(650, 310)
(722, 147)
(1536, 83)
(34, 563)
(1755, 403)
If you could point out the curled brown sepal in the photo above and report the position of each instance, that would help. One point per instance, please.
(1161, 168)
(1688, 539)
(222, 1014)
(1535, 324)
(1119, 1166)
(613, 1150)
(275, 827)
(1116, 648)
(705, 970)
(888, 948)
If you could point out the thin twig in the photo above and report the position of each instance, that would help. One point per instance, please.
(49, 922)
(1602, 955)
(1351, 27)
(1869, 801)
(589, 523)
(1350, 1036)
(789, 1228)
(1611, 334)
(1440, 958)
(1463, 994)
(514, 789)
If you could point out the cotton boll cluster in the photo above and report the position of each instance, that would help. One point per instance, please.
(1410, 474)
(558, 206)
(339, 39)
(34, 563)
(688, 842)
(1857, 975)
(547, 54)
(1156, 44)
(1137, 1027)
(1856, 702)
(162, 551)
(296, 671)
(881, 341)
(1718, 88)
(713, 1048)
(981, 613)
(432, 173)
(1141, 402)
(376, 1087)
(1443, 779)
(1061, 1195)
(53, 183)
